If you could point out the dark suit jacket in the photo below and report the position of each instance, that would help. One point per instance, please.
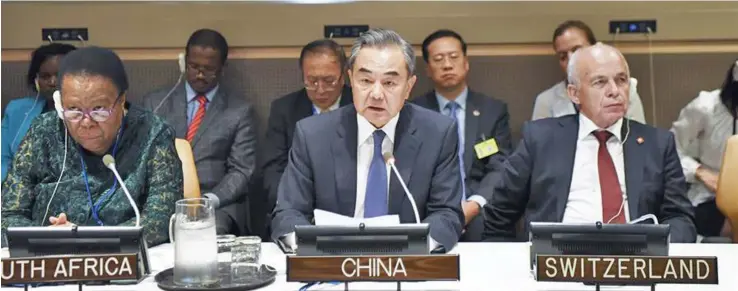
(538, 176)
(321, 171)
(224, 145)
(492, 121)
(284, 114)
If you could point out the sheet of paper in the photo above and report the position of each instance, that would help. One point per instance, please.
(323, 217)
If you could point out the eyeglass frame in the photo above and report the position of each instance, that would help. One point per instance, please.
(328, 86)
(88, 112)
(205, 72)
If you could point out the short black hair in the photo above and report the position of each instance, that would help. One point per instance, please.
(578, 24)
(40, 55)
(324, 46)
(729, 91)
(95, 61)
(209, 38)
(440, 34)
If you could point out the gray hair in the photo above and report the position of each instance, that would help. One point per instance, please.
(572, 71)
(380, 38)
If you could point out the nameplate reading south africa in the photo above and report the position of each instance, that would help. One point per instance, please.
(69, 268)
(373, 268)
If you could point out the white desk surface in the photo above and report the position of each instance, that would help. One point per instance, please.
(484, 266)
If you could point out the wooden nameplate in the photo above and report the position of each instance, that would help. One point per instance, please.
(373, 268)
(630, 270)
(70, 269)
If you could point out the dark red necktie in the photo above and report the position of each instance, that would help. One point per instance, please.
(197, 119)
(612, 197)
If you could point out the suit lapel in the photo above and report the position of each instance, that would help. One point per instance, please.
(471, 128)
(344, 161)
(303, 107)
(432, 102)
(177, 108)
(564, 147)
(219, 104)
(406, 148)
(633, 160)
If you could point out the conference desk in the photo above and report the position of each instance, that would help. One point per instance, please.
(484, 266)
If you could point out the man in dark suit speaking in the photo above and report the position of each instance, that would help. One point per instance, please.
(593, 166)
(336, 162)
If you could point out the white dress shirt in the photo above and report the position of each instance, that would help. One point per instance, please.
(364, 154)
(585, 196)
(334, 106)
(701, 134)
(555, 102)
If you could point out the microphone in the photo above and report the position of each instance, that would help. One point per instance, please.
(109, 162)
(389, 159)
(182, 71)
(213, 199)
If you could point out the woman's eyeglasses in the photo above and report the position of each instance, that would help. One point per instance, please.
(98, 114)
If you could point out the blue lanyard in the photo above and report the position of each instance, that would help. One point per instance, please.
(96, 206)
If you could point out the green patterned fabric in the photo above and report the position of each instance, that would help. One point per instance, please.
(146, 160)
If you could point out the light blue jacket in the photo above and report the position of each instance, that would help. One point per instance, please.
(15, 125)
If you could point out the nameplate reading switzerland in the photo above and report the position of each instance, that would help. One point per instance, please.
(636, 270)
(76, 268)
(373, 268)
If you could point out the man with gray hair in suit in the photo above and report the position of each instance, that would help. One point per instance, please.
(219, 126)
(336, 162)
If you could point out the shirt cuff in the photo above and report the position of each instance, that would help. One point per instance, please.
(432, 244)
(479, 199)
(289, 242)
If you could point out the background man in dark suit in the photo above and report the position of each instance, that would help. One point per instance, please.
(483, 123)
(593, 166)
(217, 123)
(336, 161)
(322, 63)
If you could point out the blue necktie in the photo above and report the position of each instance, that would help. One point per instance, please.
(452, 107)
(375, 201)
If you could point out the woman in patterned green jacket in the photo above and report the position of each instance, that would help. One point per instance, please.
(55, 180)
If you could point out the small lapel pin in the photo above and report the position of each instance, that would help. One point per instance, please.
(639, 140)
(476, 113)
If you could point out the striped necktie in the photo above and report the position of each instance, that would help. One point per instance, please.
(199, 116)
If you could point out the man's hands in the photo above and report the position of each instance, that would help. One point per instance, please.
(471, 210)
(709, 178)
(60, 220)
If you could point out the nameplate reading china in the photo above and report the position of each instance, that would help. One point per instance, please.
(637, 270)
(373, 268)
(69, 268)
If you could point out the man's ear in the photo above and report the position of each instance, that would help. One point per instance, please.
(410, 85)
(573, 93)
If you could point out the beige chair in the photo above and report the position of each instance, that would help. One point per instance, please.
(727, 192)
(189, 172)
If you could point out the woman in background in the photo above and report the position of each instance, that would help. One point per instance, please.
(701, 133)
(20, 112)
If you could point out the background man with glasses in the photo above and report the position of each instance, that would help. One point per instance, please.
(58, 178)
(322, 63)
(219, 126)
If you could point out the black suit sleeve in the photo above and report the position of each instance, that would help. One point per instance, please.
(676, 210)
(241, 162)
(296, 193)
(511, 192)
(276, 148)
(445, 216)
(495, 164)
